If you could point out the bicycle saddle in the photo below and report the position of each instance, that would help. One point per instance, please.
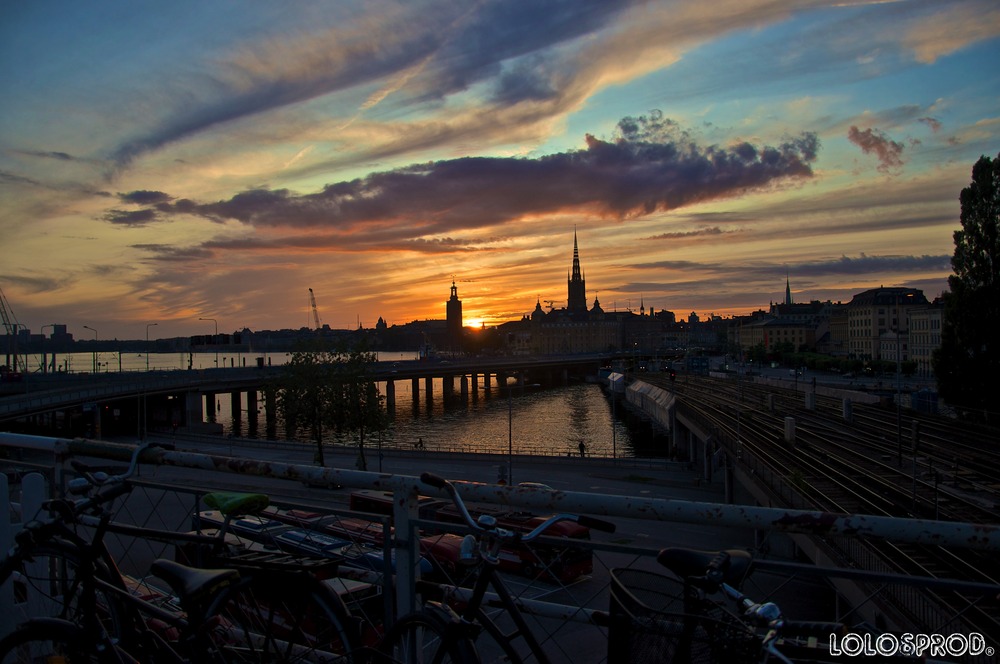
(234, 503)
(192, 583)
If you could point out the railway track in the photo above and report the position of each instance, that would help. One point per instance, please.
(861, 466)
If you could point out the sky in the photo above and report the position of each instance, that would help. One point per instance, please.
(165, 162)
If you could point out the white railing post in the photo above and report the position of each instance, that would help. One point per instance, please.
(32, 494)
(6, 539)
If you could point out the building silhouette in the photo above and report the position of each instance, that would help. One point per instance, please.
(454, 319)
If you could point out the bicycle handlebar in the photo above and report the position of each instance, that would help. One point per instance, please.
(108, 488)
(587, 521)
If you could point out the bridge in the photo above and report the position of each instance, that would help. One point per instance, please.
(136, 401)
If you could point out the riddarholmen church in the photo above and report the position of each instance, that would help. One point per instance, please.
(573, 329)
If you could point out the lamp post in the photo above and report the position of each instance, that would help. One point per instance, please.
(215, 339)
(148, 325)
(510, 436)
(87, 327)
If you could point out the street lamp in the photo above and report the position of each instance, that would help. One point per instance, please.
(87, 327)
(510, 435)
(148, 325)
(215, 339)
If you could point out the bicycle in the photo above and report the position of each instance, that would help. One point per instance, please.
(240, 611)
(438, 633)
(658, 618)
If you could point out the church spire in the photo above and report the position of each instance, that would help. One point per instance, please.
(788, 290)
(577, 300)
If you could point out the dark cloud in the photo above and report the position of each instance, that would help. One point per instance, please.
(142, 197)
(861, 266)
(131, 218)
(652, 166)
(526, 81)
(165, 252)
(888, 151)
(10, 178)
(933, 123)
(715, 231)
(61, 156)
(459, 49)
(865, 264)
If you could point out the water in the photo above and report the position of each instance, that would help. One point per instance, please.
(533, 421)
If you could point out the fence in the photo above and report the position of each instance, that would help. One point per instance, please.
(406, 504)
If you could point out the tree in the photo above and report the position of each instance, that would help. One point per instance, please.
(322, 389)
(967, 364)
(356, 403)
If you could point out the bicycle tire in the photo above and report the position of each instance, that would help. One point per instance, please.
(426, 638)
(280, 617)
(47, 583)
(41, 639)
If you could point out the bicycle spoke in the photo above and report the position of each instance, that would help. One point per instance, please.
(279, 620)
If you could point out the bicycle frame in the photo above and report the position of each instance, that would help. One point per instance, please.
(487, 578)
(483, 547)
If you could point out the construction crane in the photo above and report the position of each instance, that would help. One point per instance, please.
(10, 326)
(315, 311)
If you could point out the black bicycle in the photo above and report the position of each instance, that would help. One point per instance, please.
(84, 609)
(437, 633)
(699, 615)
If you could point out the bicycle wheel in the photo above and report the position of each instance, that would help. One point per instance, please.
(49, 640)
(278, 617)
(425, 638)
(48, 580)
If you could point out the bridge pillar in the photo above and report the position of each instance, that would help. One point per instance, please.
(194, 412)
(252, 412)
(210, 406)
(447, 387)
(475, 384)
(271, 414)
(236, 411)
(429, 388)
(487, 379)
(464, 387)
(390, 396)
(415, 389)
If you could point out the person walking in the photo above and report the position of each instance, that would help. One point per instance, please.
(583, 449)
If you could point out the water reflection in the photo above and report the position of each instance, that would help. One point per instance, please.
(521, 420)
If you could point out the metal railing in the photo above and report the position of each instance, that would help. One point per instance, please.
(406, 508)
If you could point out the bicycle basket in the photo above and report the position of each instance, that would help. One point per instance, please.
(649, 624)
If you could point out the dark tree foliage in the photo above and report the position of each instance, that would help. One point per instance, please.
(967, 365)
(323, 390)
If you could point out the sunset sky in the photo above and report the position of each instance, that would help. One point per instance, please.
(165, 161)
